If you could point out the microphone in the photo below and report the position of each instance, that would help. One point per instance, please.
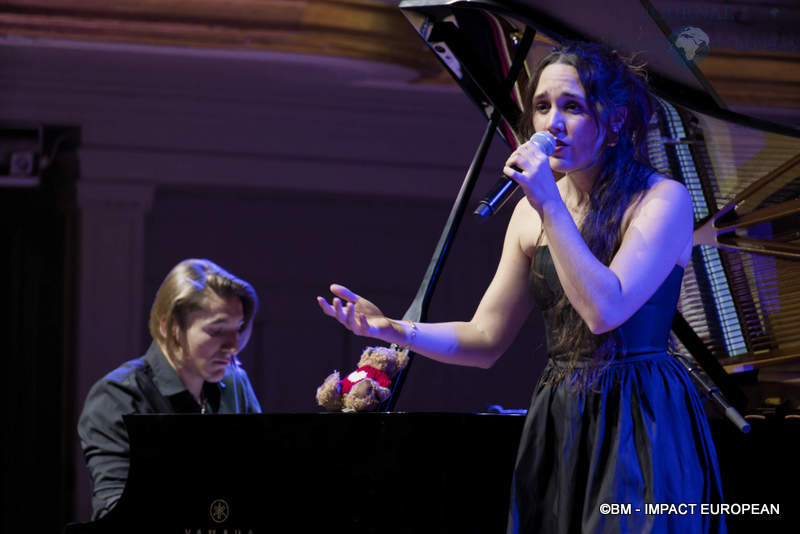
(505, 186)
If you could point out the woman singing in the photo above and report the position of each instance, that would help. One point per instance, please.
(614, 418)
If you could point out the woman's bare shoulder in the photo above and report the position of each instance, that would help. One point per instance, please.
(663, 199)
(525, 222)
(658, 187)
(661, 186)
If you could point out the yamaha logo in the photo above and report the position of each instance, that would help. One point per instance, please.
(219, 511)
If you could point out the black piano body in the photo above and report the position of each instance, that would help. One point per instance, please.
(366, 472)
(379, 472)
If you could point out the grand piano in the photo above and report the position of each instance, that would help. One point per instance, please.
(328, 472)
(737, 320)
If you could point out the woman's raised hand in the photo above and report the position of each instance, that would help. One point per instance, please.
(530, 168)
(359, 315)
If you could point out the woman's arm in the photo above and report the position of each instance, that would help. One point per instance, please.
(478, 342)
(659, 232)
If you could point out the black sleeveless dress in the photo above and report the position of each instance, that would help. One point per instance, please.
(638, 437)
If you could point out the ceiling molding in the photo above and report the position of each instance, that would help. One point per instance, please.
(356, 29)
(375, 30)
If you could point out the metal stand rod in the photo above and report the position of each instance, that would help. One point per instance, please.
(418, 311)
(711, 391)
(684, 332)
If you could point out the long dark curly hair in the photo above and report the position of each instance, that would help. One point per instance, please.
(611, 82)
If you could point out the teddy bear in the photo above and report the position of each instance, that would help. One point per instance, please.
(366, 387)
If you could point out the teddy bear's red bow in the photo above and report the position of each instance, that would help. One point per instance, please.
(365, 371)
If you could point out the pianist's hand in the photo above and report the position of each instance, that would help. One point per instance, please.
(360, 316)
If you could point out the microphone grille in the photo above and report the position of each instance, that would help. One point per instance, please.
(545, 141)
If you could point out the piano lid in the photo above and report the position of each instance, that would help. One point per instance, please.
(460, 32)
(741, 292)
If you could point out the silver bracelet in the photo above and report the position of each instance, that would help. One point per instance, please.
(413, 334)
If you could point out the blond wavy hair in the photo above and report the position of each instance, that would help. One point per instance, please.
(185, 290)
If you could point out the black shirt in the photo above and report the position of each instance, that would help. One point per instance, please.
(144, 385)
